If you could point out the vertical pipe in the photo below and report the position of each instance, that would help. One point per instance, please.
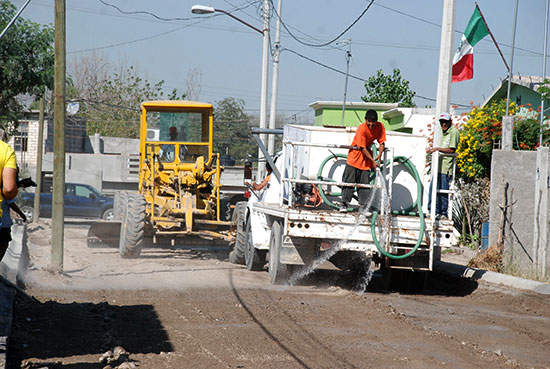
(39, 156)
(511, 59)
(275, 80)
(348, 56)
(59, 140)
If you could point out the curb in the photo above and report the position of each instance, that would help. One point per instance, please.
(492, 277)
(9, 269)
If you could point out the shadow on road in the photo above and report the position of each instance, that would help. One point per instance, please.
(44, 330)
(437, 283)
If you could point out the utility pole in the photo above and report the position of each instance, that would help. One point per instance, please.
(348, 57)
(39, 155)
(263, 96)
(275, 80)
(443, 99)
(58, 192)
(543, 70)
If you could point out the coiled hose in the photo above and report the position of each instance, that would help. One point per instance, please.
(417, 204)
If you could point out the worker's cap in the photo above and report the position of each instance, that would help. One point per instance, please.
(444, 116)
(173, 130)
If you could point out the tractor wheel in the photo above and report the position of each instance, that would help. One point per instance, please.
(236, 255)
(278, 273)
(119, 205)
(253, 258)
(132, 229)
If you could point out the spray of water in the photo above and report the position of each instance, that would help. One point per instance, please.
(379, 196)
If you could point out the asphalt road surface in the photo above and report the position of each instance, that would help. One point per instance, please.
(184, 307)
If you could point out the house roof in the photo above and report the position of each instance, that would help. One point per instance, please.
(350, 104)
(530, 82)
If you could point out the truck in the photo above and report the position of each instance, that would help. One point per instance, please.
(179, 187)
(295, 224)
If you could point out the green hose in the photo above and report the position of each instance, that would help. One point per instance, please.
(418, 204)
(320, 178)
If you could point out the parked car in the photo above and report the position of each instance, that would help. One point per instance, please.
(81, 200)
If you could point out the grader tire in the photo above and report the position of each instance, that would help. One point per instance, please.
(236, 255)
(132, 230)
(119, 205)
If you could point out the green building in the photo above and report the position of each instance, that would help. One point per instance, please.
(409, 120)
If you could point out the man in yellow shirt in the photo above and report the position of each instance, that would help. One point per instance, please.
(8, 190)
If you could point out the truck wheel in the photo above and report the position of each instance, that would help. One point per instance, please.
(132, 229)
(236, 255)
(253, 258)
(108, 215)
(278, 273)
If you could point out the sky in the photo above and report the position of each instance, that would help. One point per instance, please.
(391, 34)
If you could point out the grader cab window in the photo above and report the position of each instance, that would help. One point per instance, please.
(177, 126)
(182, 135)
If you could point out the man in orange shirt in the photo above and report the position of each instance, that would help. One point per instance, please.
(361, 161)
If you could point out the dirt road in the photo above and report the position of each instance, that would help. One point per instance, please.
(182, 308)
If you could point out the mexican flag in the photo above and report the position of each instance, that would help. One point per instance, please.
(463, 62)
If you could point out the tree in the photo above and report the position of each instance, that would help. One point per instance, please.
(232, 129)
(110, 101)
(389, 89)
(26, 63)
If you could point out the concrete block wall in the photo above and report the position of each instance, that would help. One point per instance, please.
(516, 179)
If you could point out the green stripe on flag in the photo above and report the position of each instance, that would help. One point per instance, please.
(476, 28)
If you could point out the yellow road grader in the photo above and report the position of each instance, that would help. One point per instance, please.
(179, 179)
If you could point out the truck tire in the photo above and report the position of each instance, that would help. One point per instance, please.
(254, 258)
(236, 254)
(132, 229)
(108, 214)
(278, 273)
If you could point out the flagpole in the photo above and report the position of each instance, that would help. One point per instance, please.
(493, 37)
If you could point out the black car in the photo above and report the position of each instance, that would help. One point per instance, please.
(81, 200)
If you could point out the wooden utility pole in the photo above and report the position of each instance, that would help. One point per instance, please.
(40, 154)
(58, 192)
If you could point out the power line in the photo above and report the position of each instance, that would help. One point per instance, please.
(439, 26)
(351, 75)
(143, 12)
(132, 41)
(326, 43)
